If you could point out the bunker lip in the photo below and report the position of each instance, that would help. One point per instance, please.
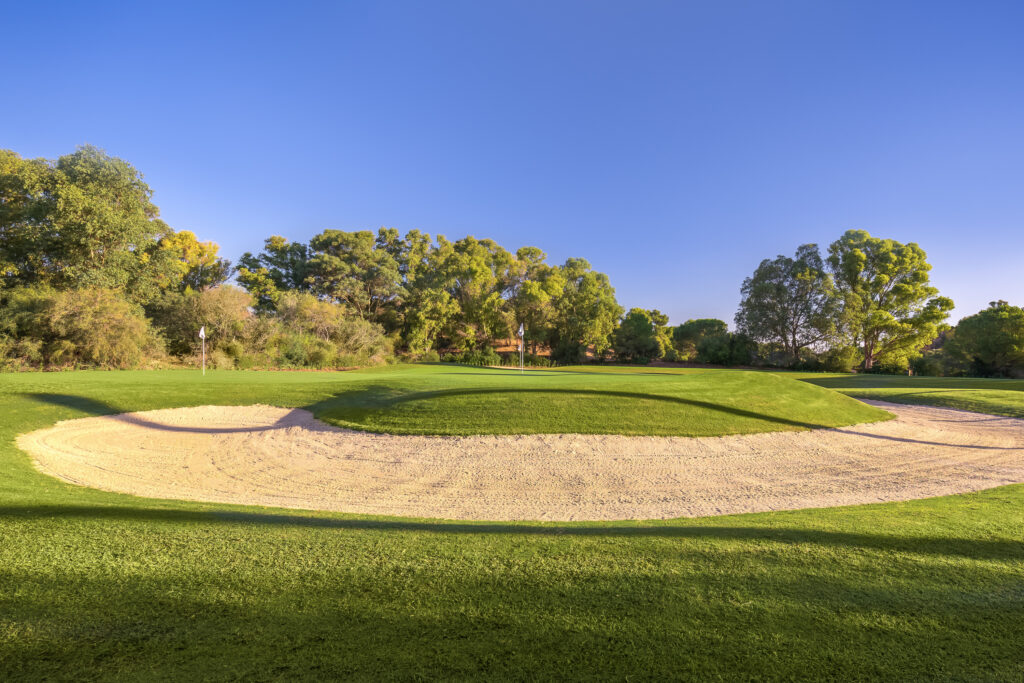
(261, 455)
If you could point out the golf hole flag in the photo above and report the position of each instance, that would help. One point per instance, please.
(522, 350)
(202, 335)
(202, 332)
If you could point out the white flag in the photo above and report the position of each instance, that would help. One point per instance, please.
(202, 332)
(520, 329)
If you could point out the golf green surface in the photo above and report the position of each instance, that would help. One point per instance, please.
(102, 586)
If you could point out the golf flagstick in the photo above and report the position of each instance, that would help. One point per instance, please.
(202, 335)
(522, 346)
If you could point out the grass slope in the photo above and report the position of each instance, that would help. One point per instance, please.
(101, 586)
(992, 396)
(445, 399)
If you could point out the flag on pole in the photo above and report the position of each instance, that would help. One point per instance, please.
(521, 330)
(202, 332)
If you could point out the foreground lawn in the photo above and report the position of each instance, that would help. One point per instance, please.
(992, 396)
(95, 585)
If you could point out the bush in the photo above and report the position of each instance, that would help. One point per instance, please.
(223, 311)
(486, 356)
(726, 349)
(430, 357)
(88, 327)
(928, 365)
(219, 360)
(840, 359)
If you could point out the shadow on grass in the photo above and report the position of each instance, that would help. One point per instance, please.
(926, 545)
(98, 408)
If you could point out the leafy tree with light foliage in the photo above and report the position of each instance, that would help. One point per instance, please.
(887, 304)
(196, 265)
(585, 312)
(84, 220)
(789, 302)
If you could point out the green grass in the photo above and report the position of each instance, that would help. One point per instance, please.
(446, 399)
(993, 396)
(101, 586)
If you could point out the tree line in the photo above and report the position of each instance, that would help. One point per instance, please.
(91, 276)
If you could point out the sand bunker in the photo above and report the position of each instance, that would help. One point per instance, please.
(259, 455)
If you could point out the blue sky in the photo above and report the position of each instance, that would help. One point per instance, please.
(672, 144)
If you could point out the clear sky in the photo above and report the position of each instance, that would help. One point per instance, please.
(672, 144)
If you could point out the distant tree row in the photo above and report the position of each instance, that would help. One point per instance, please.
(440, 295)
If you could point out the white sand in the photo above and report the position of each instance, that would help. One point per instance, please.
(259, 455)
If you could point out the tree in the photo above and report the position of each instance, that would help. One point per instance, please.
(635, 340)
(687, 336)
(585, 312)
(353, 269)
(281, 266)
(888, 306)
(85, 220)
(990, 342)
(726, 349)
(477, 274)
(534, 285)
(789, 302)
(196, 265)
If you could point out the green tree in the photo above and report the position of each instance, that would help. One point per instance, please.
(534, 285)
(195, 264)
(85, 220)
(281, 266)
(477, 274)
(354, 270)
(585, 312)
(726, 348)
(888, 306)
(990, 342)
(789, 302)
(635, 340)
(687, 336)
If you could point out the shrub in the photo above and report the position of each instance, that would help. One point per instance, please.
(82, 327)
(219, 360)
(430, 357)
(929, 364)
(726, 349)
(224, 312)
(840, 359)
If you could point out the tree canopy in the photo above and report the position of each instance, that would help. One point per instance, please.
(887, 304)
(990, 342)
(789, 302)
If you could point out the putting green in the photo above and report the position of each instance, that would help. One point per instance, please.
(459, 400)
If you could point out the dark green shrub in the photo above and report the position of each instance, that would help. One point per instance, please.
(930, 364)
(726, 349)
